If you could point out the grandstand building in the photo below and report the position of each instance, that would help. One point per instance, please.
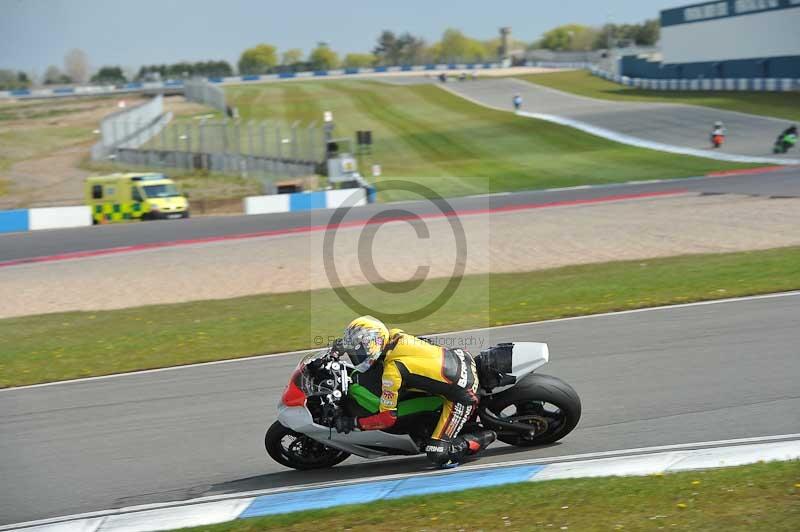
(724, 39)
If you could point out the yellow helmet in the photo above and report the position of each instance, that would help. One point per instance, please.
(364, 339)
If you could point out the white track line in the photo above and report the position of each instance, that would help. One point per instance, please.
(475, 467)
(653, 145)
(509, 326)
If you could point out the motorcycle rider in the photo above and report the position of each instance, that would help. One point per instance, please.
(786, 139)
(718, 131)
(517, 101)
(410, 362)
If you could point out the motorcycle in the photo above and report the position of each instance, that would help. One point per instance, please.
(526, 409)
(784, 142)
(717, 139)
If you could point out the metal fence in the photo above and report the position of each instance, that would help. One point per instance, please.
(130, 128)
(248, 149)
(201, 91)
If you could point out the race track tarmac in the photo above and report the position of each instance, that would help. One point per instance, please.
(16, 246)
(676, 124)
(666, 376)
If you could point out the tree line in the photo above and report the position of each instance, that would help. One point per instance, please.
(390, 49)
(577, 37)
(454, 46)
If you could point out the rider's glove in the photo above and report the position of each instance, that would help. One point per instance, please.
(344, 424)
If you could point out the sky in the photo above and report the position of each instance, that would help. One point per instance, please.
(38, 33)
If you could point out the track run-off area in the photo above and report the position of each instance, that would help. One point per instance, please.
(44, 246)
(698, 372)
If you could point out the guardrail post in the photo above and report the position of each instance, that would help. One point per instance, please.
(250, 138)
(201, 142)
(310, 132)
(295, 148)
(224, 128)
(238, 138)
(279, 142)
(263, 139)
(162, 141)
(187, 128)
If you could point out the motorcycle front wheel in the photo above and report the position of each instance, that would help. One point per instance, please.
(298, 451)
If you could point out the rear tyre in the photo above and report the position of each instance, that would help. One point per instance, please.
(298, 451)
(547, 403)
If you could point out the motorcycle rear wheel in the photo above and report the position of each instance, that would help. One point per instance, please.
(298, 451)
(540, 400)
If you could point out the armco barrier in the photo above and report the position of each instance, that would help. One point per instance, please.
(717, 84)
(19, 220)
(305, 201)
(230, 80)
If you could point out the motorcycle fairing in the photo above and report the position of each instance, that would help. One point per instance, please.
(360, 443)
(406, 407)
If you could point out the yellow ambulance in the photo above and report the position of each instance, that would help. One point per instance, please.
(124, 197)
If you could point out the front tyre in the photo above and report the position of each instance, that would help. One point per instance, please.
(546, 403)
(298, 451)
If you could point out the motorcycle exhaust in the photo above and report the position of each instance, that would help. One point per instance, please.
(514, 428)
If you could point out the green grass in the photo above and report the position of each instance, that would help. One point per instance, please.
(456, 147)
(48, 108)
(777, 104)
(20, 144)
(60, 346)
(743, 498)
(31, 112)
(39, 131)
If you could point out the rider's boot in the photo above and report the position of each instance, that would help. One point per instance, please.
(466, 445)
(478, 441)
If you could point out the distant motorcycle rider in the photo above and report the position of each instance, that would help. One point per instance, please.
(786, 140)
(413, 363)
(517, 101)
(718, 134)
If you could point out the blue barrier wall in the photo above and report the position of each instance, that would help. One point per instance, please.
(13, 221)
(768, 67)
(306, 201)
(156, 85)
